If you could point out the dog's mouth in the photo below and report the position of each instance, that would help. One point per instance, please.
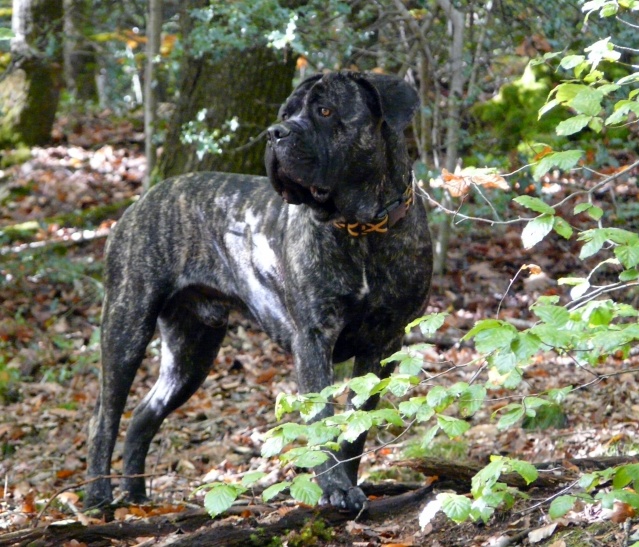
(321, 195)
(296, 192)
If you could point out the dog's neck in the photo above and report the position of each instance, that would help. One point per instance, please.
(386, 218)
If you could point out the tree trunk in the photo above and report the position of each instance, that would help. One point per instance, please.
(30, 88)
(153, 31)
(453, 123)
(249, 85)
(80, 63)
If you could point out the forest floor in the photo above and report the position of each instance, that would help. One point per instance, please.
(57, 206)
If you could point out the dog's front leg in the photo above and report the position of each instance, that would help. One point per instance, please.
(312, 354)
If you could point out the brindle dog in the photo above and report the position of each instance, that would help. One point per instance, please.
(334, 270)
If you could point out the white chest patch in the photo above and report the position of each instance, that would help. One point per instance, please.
(256, 268)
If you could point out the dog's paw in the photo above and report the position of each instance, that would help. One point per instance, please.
(351, 499)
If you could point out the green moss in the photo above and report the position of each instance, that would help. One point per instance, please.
(511, 117)
(314, 532)
(15, 156)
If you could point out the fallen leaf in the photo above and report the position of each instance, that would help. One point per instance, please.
(542, 533)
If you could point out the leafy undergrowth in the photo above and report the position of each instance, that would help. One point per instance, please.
(50, 266)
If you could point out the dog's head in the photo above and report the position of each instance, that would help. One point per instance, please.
(339, 141)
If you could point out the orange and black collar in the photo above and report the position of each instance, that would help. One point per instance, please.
(385, 219)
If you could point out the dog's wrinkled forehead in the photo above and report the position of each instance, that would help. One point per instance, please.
(387, 97)
(330, 90)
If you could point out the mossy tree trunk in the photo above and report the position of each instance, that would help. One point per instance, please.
(30, 87)
(249, 85)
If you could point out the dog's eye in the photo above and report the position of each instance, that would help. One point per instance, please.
(325, 112)
(284, 116)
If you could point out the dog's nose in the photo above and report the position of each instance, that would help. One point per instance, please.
(277, 132)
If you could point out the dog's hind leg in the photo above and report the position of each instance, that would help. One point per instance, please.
(127, 327)
(189, 347)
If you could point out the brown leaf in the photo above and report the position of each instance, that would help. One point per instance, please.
(622, 512)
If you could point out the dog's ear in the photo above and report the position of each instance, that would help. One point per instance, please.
(294, 103)
(398, 100)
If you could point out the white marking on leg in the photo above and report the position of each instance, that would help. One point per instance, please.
(365, 288)
(165, 385)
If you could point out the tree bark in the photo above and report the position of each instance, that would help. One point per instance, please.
(80, 61)
(249, 85)
(154, 28)
(30, 87)
(453, 122)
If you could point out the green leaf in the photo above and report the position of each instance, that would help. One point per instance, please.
(387, 415)
(561, 505)
(458, 388)
(438, 398)
(305, 491)
(484, 480)
(409, 408)
(304, 457)
(357, 423)
(456, 507)
(572, 125)
(504, 361)
(552, 336)
(6, 33)
(412, 366)
(571, 61)
(587, 101)
(548, 107)
(630, 79)
(482, 325)
(596, 123)
(600, 316)
(562, 228)
(428, 437)
(629, 275)
(219, 498)
(319, 433)
(558, 395)
(400, 384)
(251, 478)
(625, 475)
(628, 255)
(593, 211)
(524, 346)
(609, 10)
(273, 444)
(453, 427)
(285, 403)
(514, 413)
(536, 230)
(621, 111)
(562, 160)
(491, 334)
(621, 236)
(535, 204)
(566, 92)
(525, 470)
(273, 490)
(311, 405)
(428, 324)
(471, 400)
(556, 316)
(625, 496)
(362, 386)
(595, 240)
